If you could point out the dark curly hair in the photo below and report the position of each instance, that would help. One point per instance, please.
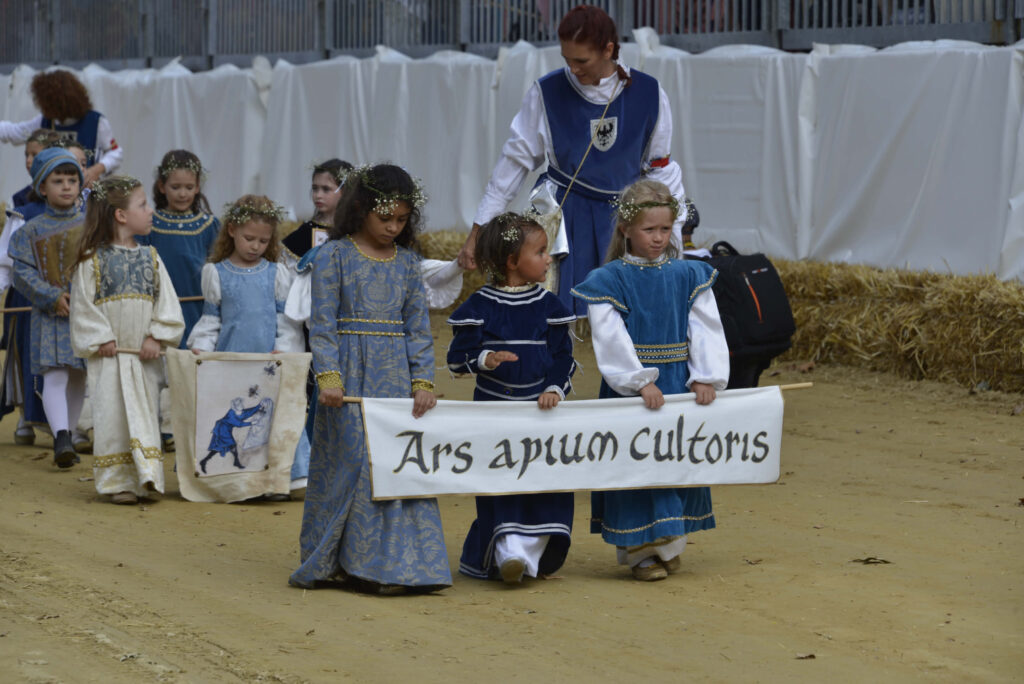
(360, 193)
(59, 95)
(500, 238)
(186, 161)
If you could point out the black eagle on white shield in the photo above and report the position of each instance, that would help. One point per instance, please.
(604, 132)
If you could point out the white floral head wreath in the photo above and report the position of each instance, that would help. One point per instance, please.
(239, 213)
(121, 184)
(188, 164)
(386, 203)
(627, 211)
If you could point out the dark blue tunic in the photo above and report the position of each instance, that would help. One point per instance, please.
(533, 324)
(615, 161)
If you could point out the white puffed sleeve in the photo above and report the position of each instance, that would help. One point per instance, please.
(523, 152)
(17, 132)
(616, 356)
(14, 222)
(289, 333)
(299, 303)
(207, 329)
(107, 150)
(709, 352)
(442, 281)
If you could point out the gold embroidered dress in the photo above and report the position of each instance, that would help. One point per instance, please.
(124, 294)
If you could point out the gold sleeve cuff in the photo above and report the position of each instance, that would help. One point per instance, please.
(422, 385)
(329, 380)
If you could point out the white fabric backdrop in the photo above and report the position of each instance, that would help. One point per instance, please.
(912, 156)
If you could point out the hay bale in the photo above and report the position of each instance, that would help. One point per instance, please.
(919, 325)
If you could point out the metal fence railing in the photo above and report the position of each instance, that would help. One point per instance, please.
(204, 33)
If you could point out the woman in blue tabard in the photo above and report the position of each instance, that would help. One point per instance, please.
(67, 109)
(656, 331)
(370, 334)
(625, 113)
(184, 228)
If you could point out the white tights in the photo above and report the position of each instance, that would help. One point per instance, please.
(63, 395)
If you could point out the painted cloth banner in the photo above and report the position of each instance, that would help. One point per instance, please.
(514, 447)
(237, 418)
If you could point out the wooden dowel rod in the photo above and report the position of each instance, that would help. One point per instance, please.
(23, 309)
(797, 385)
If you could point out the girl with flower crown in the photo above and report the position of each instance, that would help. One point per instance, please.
(656, 331)
(513, 335)
(124, 310)
(370, 335)
(184, 228)
(244, 286)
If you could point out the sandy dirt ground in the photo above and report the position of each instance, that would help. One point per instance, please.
(923, 481)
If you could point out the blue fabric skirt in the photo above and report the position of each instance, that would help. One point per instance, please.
(344, 530)
(531, 515)
(20, 345)
(589, 225)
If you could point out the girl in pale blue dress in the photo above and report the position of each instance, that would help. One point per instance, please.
(245, 288)
(370, 336)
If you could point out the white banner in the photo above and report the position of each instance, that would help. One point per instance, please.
(237, 418)
(514, 447)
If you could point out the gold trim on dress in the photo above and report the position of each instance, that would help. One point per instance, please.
(369, 332)
(704, 286)
(370, 320)
(124, 296)
(329, 380)
(373, 258)
(421, 384)
(612, 300)
(191, 217)
(656, 522)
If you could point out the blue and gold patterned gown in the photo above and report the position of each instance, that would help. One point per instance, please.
(183, 242)
(370, 335)
(42, 252)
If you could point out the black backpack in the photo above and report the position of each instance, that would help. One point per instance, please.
(752, 302)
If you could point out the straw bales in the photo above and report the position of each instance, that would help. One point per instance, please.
(919, 325)
(962, 329)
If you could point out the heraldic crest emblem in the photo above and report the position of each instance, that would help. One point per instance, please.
(604, 132)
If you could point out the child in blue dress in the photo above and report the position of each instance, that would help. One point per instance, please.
(513, 335)
(370, 335)
(184, 228)
(656, 330)
(244, 286)
(43, 252)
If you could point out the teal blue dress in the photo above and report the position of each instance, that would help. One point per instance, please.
(654, 302)
(370, 332)
(183, 241)
(51, 334)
